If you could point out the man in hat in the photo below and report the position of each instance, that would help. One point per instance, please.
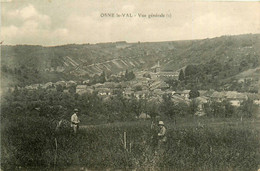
(75, 121)
(162, 134)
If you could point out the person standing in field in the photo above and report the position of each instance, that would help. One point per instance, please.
(162, 134)
(75, 121)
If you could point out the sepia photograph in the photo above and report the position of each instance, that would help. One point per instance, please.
(130, 85)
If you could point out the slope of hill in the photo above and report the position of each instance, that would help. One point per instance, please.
(40, 64)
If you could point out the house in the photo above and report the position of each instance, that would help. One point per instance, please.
(47, 85)
(139, 94)
(170, 92)
(257, 102)
(70, 84)
(155, 85)
(169, 74)
(218, 96)
(144, 116)
(156, 68)
(184, 93)
(60, 69)
(202, 92)
(32, 87)
(255, 97)
(66, 91)
(128, 93)
(110, 85)
(81, 89)
(176, 98)
(104, 91)
(207, 93)
(202, 100)
(86, 82)
(235, 98)
(98, 85)
(62, 83)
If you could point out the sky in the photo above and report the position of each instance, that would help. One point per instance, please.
(57, 22)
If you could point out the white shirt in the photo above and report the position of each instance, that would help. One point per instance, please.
(162, 131)
(74, 118)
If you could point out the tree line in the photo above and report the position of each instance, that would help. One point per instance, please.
(214, 75)
(57, 104)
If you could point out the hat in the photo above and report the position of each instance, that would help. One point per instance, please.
(161, 123)
(76, 110)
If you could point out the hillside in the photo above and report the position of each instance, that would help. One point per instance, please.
(25, 64)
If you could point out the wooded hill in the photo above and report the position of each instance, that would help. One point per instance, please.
(27, 64)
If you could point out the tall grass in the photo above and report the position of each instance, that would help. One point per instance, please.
(187, 148)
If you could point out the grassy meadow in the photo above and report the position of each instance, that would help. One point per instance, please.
(199, 144)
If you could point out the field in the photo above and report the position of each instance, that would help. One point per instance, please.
(192, 144)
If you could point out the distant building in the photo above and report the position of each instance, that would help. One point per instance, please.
(202, 100)
(81, 89)
(154, 85)
(110, 85)
(47, 85)
(86, 82)
(140, 94)
(255, 97)
(156, 68)
(33, 87)
(70, 84)
(236, 98)
(128, 93)
(170, 92)
(62, 83)
(60, 69)
(104, 91)
(184, 93)
(218, 96)
(176, 98)
(169, 74)
(144, 116)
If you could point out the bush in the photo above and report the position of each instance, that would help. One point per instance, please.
(27, 141)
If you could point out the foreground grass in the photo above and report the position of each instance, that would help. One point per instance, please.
(193, 147)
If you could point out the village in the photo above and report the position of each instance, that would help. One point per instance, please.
(149, 85)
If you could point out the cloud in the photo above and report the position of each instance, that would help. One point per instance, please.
(55, 24)
(27, 25)
(28, 13)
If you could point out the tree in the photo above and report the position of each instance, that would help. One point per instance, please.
(229, 110)
(191, 70)
(135, 106)
(167, 107)
(194, 93)
(72, 89)
(248, 108)
(129, 75)
(193, 107)
(181, 75)
(59, 88)
(102, 77)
